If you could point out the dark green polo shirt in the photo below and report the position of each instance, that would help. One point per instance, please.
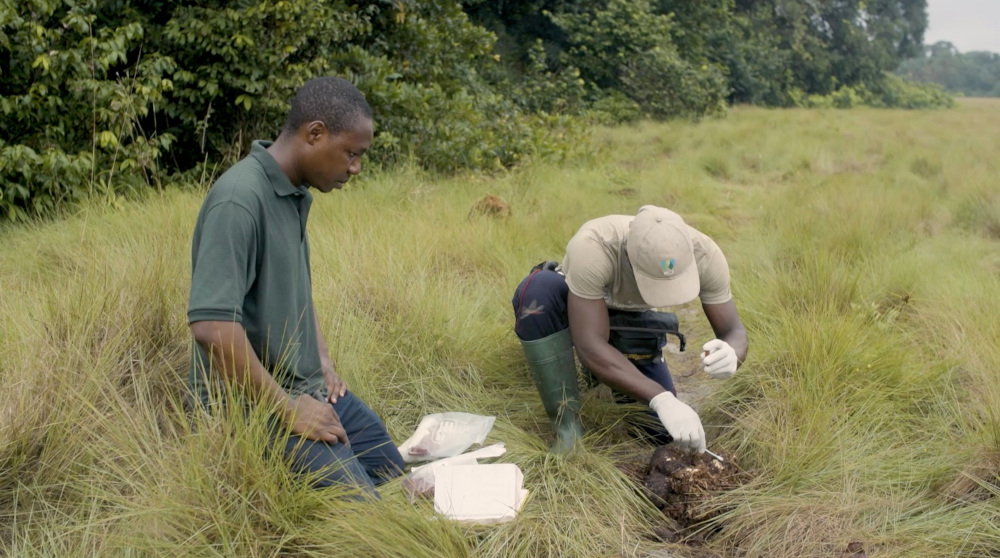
(250, 264)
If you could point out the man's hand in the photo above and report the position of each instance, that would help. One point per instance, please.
(680, 420)
(729, 331)
(315, 420)
(719, 359)
(335, 387)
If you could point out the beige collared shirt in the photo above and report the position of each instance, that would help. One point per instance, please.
(596, 265)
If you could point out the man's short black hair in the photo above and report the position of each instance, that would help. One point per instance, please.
(332, 100)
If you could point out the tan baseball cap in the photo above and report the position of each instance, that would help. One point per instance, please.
(662, 255)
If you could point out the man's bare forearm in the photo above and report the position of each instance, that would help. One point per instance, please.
(589, 327)
(737, 339)
(614, 370)
(727, 326)
(235, 359)
(324, 352)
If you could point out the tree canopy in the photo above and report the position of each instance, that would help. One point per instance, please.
(974, 74)
(109, 97)
(769, 52)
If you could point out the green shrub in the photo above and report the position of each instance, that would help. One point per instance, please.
(892, 92)
(73, 99)
(895, 92)
(110, 97)
(559, 91)
(614, 107)
(627, 47)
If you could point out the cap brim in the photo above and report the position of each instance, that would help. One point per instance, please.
(675, 291)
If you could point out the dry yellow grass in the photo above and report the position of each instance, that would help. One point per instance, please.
(864, 252)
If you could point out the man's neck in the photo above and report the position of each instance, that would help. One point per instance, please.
(283, 151)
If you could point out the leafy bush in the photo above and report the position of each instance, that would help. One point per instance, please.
(73, 98)
(626, 46)
(542, 89)
(666, 86)
(892, 92)
(895, 92)
(614, 108)
(109, 97)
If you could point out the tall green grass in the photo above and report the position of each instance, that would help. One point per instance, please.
(865, 256)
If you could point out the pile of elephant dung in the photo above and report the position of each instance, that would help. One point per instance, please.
(678, 482)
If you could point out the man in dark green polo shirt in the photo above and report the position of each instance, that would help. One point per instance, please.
(251, 310)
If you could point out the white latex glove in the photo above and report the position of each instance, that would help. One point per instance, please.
(719, 359)
(680, 420)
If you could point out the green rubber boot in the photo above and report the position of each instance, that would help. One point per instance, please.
(553, 370)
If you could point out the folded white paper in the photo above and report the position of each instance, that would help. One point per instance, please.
(420, 482)
(492, 450)
(491, 493)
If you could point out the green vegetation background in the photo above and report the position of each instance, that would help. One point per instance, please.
(108, 99)
(863, 247)
(973, 74)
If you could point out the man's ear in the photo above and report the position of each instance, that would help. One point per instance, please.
(314, 131)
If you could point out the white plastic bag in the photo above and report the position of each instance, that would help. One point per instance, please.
(445, 435)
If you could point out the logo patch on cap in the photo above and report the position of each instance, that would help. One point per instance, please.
(667, 266)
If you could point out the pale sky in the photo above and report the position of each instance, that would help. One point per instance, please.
(967, 24)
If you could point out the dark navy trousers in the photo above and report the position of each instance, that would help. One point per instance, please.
(540, 310)
(369, 459)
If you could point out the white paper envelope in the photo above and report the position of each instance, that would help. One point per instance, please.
(490, 493)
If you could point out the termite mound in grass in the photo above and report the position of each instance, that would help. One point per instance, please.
(679, 483)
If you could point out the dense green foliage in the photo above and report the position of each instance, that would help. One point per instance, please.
(108, 96)
(891, 92)
(625, 46)
(832, 43)
(675, 57)
(974, 74)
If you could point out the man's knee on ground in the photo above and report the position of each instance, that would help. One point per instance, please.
(540, 285)
(393, 465)
(540, 305)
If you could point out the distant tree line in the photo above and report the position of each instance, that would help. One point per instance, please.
(669, 58)
(109, 97)
(973, 74)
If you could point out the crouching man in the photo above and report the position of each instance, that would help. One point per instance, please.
(615, 270)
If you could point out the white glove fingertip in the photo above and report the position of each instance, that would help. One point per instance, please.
(684, 439)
